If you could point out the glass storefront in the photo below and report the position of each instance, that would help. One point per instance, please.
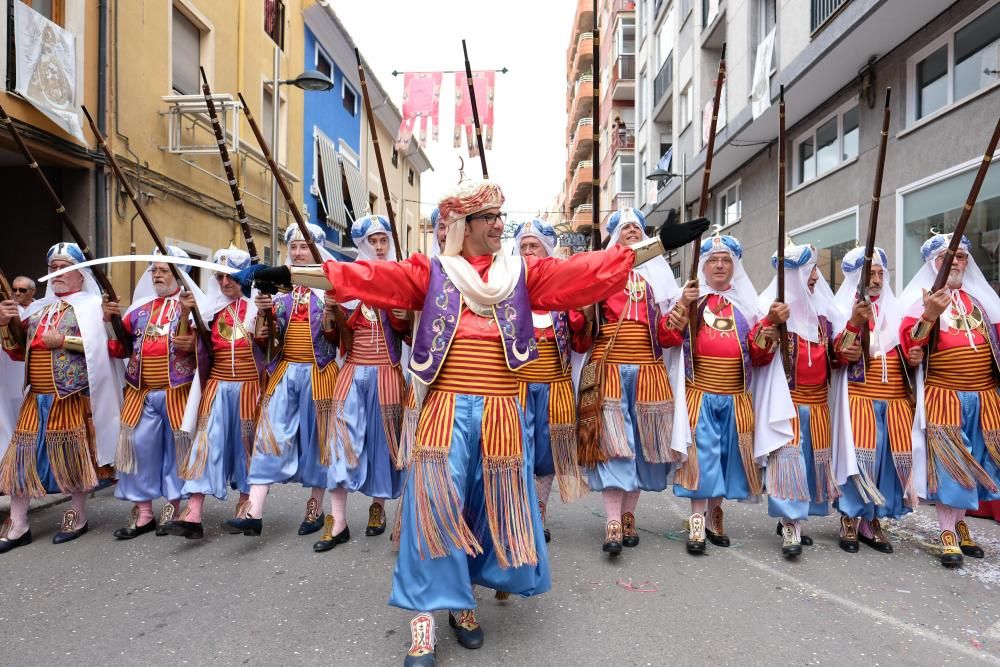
(833, 239)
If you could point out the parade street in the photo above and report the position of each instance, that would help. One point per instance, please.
(230, 599)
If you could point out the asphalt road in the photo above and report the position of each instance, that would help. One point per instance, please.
(271, 600)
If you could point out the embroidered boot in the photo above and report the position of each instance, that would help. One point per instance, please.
(951, 554)
(166, 516)
(468, 632)
(804, 539)
(133, 529)
(965, 541)
(848, 535)
(376, 520)
(241, 513)
(696, 534)
(313, 520)
(717, 533)
(69, 529)
(630, 536)
(329, 540)
(791, 545)
(422, 640)
(613, 538)
(878, 540)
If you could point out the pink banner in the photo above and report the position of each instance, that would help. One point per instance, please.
(421, 103)
(485, 88)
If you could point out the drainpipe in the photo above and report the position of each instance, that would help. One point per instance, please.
(102, 229)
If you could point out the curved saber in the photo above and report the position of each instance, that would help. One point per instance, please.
(159, 259)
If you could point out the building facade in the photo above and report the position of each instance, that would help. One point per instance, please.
(835, 59)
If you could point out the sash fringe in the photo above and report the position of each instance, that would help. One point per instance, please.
(946, 448)
(992, 439)
(407, 436)
(827, 488)
(508, 512)
(327, 419)
(614, 442)
(266, 443)
(195, 469)
(19, 469)
(125, 461)
(656, 423)
(182, 449)
(865, 480)
(903, 463)
(392, 421)
(750, 467)
(562, 438)
(72, 458)
(438, 506)
(786, 474)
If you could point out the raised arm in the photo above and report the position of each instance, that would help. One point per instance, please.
(583, 279)
(401, 285)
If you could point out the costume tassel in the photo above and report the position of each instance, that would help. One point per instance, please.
(864, 481)
(614, 441)
(688, 475)
(656, 423)
(266, 443)
(750, 467)
(196, 468)
(786, 474)
(125, 454)
(438, 506)
(392, 418)
(407, 436)
(826, 484)
(248, 428)
(946, 448)
(182, 448)
(903, 462)
(72, 459)
(508, 512)
(326, 421)
(19, 470)
(562, 438)
(992, 439)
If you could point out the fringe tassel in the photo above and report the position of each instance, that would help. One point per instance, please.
(826, 483)
(656, 424)
(195, 469)
(72, 458)
(688, 475)
(19, 469)
(786, 474)
(903, 462)
(754, 481)
(182, 449)
(865, 480)
(407, 436)
(438, 506)
(946, 448)
(326, 421)
(508, 512)
(562, 439)
(266, 443)
(125, 454)
(392, 419)
(992, 439)
(248, 428)
(614, 441)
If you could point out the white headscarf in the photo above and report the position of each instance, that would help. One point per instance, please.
(364, 228)
(888, 313)
(804, 306)
(656, 272)
(105, 375)
(292, 233)
(234, 258)
(539, 229)
(740, 292)
(144, 291)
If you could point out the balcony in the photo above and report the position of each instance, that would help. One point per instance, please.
(583, 98)
(822, 11)
(714, 25)
(581, 183)
(622, 84)
(582, 141)
(582, 215)
(584, 14)
(583, 57)
(663, 89)
(623, 200)
(622, 139)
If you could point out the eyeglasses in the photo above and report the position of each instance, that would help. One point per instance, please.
(489, 218)
(20, 290)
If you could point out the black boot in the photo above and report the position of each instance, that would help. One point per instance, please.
(966, 543)
(717, 536)
(804, 539)
(848, 535)
(696, 534)
(421, 653)
(376, 520)
(133, 529)
(69, 531)
(630, 536)
(192, 530)
(313, 520)
(468, 632)
(612, 538)
(329, 540)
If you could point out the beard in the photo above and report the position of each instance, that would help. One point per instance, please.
(955, 279)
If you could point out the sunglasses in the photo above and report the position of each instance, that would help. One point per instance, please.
(20, 290)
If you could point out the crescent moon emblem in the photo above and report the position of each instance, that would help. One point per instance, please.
(421, 366)
(519, 355)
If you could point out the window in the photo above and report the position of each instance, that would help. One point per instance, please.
(274, 21)
(685, 107)
(409, 176)
(185, 54)
(765, 17)
(350, 99)
(395, 157)
(625, 173)
(960, 64)
(831, 143)
(53, 10)
(267, 118)
(833, 237)
(937, 204)
(323, 65)
(730, 208)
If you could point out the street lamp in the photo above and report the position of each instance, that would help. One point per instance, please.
(308, 80)
(662, 176)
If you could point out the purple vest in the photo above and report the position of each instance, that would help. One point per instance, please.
(69, 369)
(181, 365)
(742, 334)
(392, 342)
(323, 350)
(793, 351)
(560, 325)
(439, 322)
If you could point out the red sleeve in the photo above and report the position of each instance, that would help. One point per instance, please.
(17, 354)
(401, 327)
(583, 279)
(840, 358)
(759, 356)
(400, 285)
(668, 336)
(115, 348)
(906, 339)
(581, 334)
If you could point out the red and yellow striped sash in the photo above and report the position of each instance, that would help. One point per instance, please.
(176, 401)
(547, 368)
(40, 372)
(242, 368)
(299, 343)
(962, 369)
(368, 348)
(815, 398)
(155, 372)
(476, 367)
(894, 389)
(810, 394)
(632, 345)
(718, 375)
(899, 419)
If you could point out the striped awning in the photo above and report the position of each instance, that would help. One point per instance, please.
(356, 187)
(333, 195)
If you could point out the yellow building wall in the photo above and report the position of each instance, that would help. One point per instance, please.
(185, 203)
(405, 197)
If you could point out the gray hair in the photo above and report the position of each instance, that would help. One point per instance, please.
(31, 283)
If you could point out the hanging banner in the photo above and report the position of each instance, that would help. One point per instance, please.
(706, 115)
(760, 94)
(421, 103)
(46, 68)
(484, 83)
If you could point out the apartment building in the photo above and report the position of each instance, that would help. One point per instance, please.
(835, 58)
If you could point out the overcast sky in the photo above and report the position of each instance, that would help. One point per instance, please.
(529, 37)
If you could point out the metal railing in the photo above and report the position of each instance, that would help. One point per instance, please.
(664, 79)
(624, 200)
(822, 10)
(622, 138)
(274, 21)
(625, 66)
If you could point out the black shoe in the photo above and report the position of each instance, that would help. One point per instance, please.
(612, 538)
(966, 543)
(247, 525)
(376, 520)
(791, 545)
(548, 535)
(329, 540)
(132, 531)
(630, 537)
(166, 516)
(790, 550)
(69, 530)
(7, 544)
(468, 633)
(717, 539)
(191, 530)
(804, 539)
(848, 535)
(874, 543)
(313, 520)
(696, 534)
(850, 546)
(425, 660)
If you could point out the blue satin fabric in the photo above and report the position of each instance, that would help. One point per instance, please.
(634, 474)
(951, 492)
(431, 584)
(720, 467)
(800, 510)
(536, 420)
(851, 504)
(155, 456)
(226, 466)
